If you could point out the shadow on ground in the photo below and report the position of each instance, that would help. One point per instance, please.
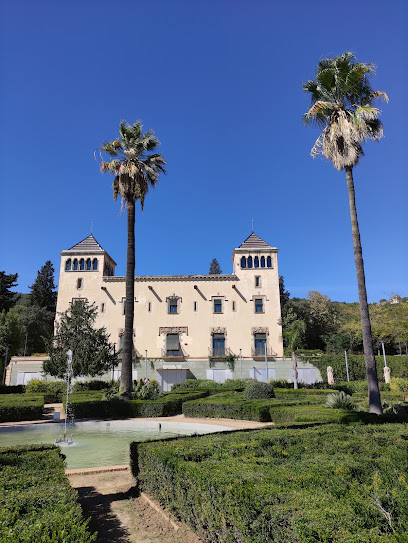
(98, 509)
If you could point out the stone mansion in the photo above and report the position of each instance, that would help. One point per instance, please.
(185, 326)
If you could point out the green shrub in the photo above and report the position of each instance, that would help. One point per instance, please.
(258, 391)
(19, 407)
(91, 405)
(228, 406)
(17, 389)
(37, 503)
(398, 384)
(204, 384)
(96, 384)
(329, 483)
(280, 383)
(340, 400)
(53, 391)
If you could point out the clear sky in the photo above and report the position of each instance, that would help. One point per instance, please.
(220, 83)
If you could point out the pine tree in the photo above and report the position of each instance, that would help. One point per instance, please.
(93, 354)
(7, 298)
(43, 290)
(215, 267)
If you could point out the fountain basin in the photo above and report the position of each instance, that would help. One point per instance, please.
(99, 443)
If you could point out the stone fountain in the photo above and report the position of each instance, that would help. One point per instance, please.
(69, 414)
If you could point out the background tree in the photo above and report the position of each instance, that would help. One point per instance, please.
(293, 332)
(215, 268)
(93, 354)
(135, 170)
(43, 289)
(284, 295)
(342, 104)
(7, 298)
(11, 334)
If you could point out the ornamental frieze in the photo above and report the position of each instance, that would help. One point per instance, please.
(173, 330)
(260, 330)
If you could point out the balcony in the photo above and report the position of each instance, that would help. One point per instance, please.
(174, 355)
(258, 353)
(220, 353)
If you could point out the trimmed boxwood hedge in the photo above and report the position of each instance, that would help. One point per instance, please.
(16, 389)
(37, 503)
(330, 483)
(19, 407)
(90, 405)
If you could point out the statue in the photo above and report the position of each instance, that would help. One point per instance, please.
(330, 378)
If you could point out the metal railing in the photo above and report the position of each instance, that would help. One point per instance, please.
(220, 353)
(174, 354)
(259, 352)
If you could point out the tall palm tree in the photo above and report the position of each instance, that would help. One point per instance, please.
(135, 169)
(342, 104)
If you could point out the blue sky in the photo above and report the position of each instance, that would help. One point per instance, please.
(220, 83)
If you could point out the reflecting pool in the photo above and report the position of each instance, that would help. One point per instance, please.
(99, 443)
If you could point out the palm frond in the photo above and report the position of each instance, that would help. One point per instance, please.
(319, 113)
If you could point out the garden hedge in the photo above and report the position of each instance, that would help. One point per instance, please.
(90, 405)
(17, 389)
(19, 407)
(331, 483)
(37, 503)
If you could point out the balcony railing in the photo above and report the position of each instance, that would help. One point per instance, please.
(258, 353)
(220, 353)
(174, 354)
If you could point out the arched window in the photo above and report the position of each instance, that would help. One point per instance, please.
(256, 262)
(243, 262)
(95, 264)
(262, 261)
(269, 262)
(88, 264)
(250, 262)
(82, 264)
(75, 264)
(68, 265)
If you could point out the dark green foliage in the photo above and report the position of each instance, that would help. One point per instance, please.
(37, 503)
(53, 391)
(17, 389)
(38, 326)
(205, 384)
(18, 407)
(215, 268)
(229, 405)
(96, 384)
(91, 405)
(93, 354)
(11, 334)
(43, 290)
(258, 391)
(331, 483)
(7, 298)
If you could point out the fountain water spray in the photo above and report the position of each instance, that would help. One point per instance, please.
(68, 375)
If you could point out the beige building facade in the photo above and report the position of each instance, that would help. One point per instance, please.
(188, 326)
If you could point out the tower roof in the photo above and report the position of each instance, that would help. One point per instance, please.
(254, 242)
(87, 244)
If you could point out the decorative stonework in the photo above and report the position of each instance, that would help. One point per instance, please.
(164, 330)
(260, 330)
(218, 330)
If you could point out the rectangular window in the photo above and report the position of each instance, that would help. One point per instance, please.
(195, 306)
(149, 307)
(80, 283)
(173, 345)
(260, 343)
(103, 308)
(257, 280)
(218, 345)
(233, 306)
(259, 305)
(218, 305)
(173, 306)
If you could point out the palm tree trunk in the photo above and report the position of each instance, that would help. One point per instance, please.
(295, 370)
(126, 375)
(374, 399)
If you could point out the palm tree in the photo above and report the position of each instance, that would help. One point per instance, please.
(135, 170)
(342, 104)
(293, 334)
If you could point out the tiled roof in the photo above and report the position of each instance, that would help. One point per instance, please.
(87, 244)
(254, 242)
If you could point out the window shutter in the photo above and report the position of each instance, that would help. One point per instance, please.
(172, 342)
